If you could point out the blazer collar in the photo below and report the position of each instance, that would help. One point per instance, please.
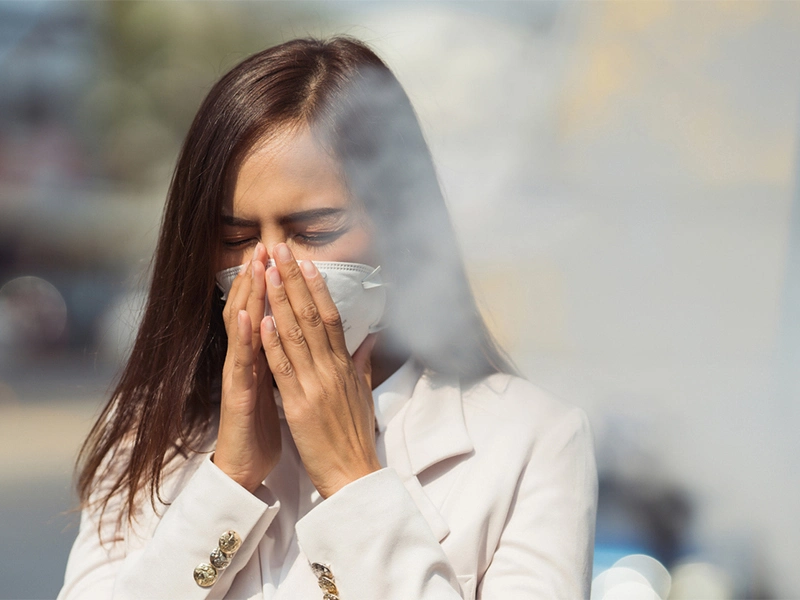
(429, 429)
(433, 425)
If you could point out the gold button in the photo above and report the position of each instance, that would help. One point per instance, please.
(327, 585)
(219, 560)
(321, 571)
(229, 542)
(205, 575)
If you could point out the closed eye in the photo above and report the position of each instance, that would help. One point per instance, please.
(239, 243)
(319, 238)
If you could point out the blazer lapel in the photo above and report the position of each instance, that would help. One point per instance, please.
(431, 430)
(433, 427)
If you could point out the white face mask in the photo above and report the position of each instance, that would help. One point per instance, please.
(356, 289)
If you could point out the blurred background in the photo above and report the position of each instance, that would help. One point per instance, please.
(623, 176)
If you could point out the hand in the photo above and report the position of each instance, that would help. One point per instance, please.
(327, 395)
(249, 439)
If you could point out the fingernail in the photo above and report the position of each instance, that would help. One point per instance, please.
(257, 251)
(309, 268)
(283, 253)
(241, 316)
(243, 268)
(269, 323)
(274, 277)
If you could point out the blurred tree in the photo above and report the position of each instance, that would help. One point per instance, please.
(160, 59)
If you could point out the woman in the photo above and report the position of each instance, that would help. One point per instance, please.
(251, 456)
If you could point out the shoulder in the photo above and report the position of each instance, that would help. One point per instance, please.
(503, 406)
(508, 397)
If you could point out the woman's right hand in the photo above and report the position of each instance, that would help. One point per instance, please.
(249, 439)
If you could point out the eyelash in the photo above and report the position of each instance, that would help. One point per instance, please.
(314, 239)
(319, 239)
(239, 243)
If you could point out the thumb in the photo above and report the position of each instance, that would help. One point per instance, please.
(362, 358)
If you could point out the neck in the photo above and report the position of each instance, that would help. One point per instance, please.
(385, 361)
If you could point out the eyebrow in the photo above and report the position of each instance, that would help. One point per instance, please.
(303, 216)
(237, 221)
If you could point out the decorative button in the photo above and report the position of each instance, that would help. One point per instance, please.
(325, 581)
(321, 570)
(220, 560)
(205, 575)
(327, 585)
(229, 542)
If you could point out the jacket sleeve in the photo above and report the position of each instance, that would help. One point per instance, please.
(159, 561)
(379, 546)
(546, 547)
(376, 543)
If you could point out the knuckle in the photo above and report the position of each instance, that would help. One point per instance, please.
(332, 319)
(293, 273)
(239, 361)
(310, 315)
(319, 285)
(283, 368)
(294, 335)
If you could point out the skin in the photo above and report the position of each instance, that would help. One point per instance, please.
(290, 204)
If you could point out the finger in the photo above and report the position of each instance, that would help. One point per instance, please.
(243, 354)
(256, 298)
(302, 303)
(362, 359)
(329, 314)
(283, 371)
(263, 374)
(236, 299)
(290, 333)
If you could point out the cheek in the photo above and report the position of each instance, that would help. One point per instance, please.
(360, 247)
(361, 244)
(232, 257)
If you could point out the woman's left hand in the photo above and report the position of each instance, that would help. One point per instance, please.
(327, 395)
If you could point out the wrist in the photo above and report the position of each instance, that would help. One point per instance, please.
(329, 490)
(243, 479)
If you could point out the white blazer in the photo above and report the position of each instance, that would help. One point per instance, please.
(489, 492)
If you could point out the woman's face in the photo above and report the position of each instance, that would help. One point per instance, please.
(289, 190)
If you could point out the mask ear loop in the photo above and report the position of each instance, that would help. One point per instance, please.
(367, 284)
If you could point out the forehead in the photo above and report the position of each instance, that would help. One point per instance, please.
(288, 172)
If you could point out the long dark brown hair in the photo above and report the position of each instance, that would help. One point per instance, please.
(164, 400)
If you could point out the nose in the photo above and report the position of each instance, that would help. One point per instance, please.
(269, 244)
(270, 239)
(258, 252)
